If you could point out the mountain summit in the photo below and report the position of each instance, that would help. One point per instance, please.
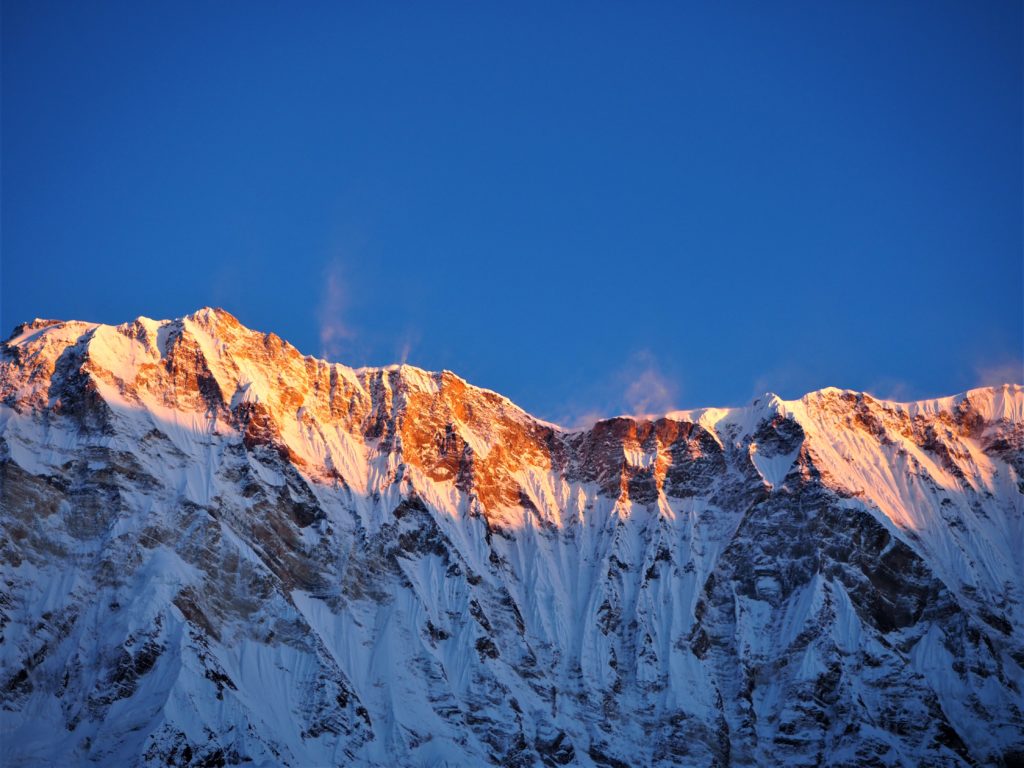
(219, 551)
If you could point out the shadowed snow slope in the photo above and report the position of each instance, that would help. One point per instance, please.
(217, 550)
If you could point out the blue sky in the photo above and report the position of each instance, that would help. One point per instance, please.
(591, 208)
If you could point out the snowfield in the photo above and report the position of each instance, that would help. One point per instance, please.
(218, 551)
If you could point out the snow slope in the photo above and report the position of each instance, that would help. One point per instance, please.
(219, 551)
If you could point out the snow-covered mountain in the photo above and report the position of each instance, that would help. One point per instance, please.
(218, 551)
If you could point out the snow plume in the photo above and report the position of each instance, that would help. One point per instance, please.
(639, 388)
(333, 331)
(890, 388)
(1007, 372)
(780, 379)
(576, 421)
(648, 392)
(409, 340)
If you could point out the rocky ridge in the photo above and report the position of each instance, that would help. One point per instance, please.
(219, 551)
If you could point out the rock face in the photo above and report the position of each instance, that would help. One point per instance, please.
(218, 551)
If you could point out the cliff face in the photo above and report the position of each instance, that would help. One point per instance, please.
(217, 550)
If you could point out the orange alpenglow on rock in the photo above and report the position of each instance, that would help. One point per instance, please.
(219, 547)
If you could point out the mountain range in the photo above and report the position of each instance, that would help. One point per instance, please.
(219, 551)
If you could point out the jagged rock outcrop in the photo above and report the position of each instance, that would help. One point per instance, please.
(219, 551)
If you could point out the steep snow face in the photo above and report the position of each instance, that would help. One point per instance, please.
(219, 551)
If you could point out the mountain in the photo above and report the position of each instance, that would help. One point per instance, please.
(218, 551)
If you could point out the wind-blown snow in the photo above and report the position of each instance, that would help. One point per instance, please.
(217, 550)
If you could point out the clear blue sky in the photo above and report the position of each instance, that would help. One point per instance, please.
(586, 206)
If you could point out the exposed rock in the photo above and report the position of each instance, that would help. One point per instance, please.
(218, 551)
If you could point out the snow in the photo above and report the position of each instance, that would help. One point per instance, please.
(773, 468)
(594, 601)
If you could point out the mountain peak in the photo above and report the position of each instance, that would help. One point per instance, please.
(217, 336)
(212, 314)
(218, 550)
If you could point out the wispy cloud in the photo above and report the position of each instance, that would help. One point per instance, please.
(639, 387)
(789, 379)
(1003, 372)
(406, 345)
(891, 388)
(648, 391)
(574, 420)
(334, 332)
